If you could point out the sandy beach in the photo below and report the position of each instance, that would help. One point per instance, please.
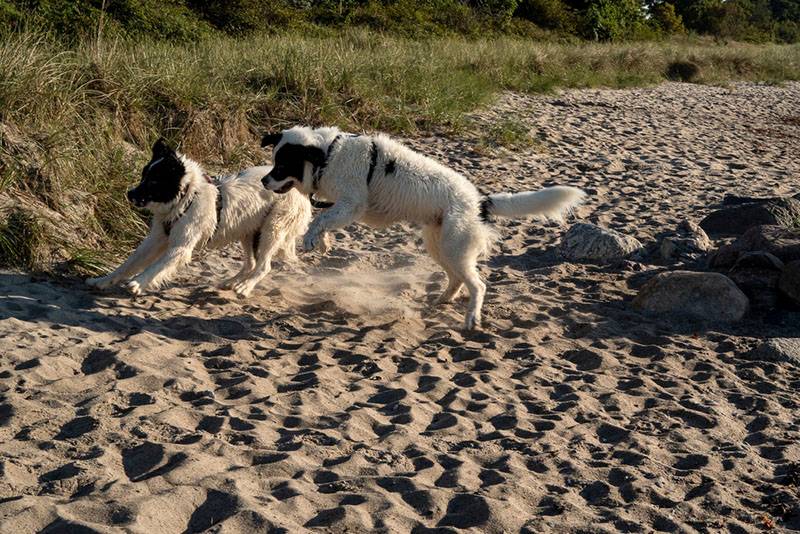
(338, 398)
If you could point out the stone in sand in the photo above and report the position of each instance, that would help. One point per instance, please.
(688, 243)
(789, 283)
(757, 275)
(783, 243)
(704, 296)
(735, 221)
(589, 242)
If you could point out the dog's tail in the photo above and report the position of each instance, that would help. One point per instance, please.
(548, 203)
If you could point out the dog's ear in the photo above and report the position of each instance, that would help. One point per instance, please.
(271, 139)
(313, 155)
(161, 149)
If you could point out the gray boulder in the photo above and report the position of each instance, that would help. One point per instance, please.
(592, 243)
(736, 220)
(688, 243)
(789, 282)
(709, 297)
(783, 243)
(757, 275)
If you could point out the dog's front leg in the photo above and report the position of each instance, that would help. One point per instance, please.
(343, 213)
(146, 253)
(162, 270)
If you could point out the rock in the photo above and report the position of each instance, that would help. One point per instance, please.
(736, 220)
(689, 242)
(789, 283)
(589, 242)
(757, 275)
(703, 296)
(758, 260)
(783, 243)
(779, 349)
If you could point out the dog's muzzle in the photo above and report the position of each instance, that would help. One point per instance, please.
(269, 183)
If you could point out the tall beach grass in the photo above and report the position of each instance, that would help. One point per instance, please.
(76, 123)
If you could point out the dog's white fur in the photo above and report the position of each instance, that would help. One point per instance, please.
(420, 190)
(247, 208)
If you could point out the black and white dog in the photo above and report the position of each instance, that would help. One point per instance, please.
(378, 181)
(191, 210)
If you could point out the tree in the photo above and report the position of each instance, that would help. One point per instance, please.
(613, 20)
(664, 17)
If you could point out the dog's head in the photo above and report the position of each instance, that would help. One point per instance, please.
(297, 152)
(161, 178)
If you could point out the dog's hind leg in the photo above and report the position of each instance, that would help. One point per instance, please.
(432, 234)
(248, 262)
(269, 243)
(460, 248)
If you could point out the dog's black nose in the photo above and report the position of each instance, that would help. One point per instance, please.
(265, 180)
(130, 195)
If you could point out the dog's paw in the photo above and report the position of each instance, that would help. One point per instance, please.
(134, 288)
(101, 282)
(444, 298)
(325, 243)
(229, 283)
(472, 321)
(244, 289)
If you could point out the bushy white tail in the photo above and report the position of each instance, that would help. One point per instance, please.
(548, 203)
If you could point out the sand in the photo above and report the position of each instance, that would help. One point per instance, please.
(339, 399)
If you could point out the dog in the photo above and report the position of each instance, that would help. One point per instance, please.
(193, 211)
(378, 181)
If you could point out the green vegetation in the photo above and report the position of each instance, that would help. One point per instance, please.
(76, 122)
(508, 133)
(189, 20)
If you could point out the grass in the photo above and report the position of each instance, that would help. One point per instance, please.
(75, 124)
(508, 133)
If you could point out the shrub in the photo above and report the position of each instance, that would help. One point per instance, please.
(787, 31)
(613, 20)
(682, 71)
(665, 18)
(552, 14)
(502, 10)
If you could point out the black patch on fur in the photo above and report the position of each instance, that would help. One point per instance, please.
(321, 168)
(373, 152)
(271, 139)
(161, 177)
(486, 209)
(319, 204)
(389, 167)
(169, 223)
(256, 242)
(290, 160)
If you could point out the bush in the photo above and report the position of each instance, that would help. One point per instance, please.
(665, 19)
(682, 71)
(502, 10)
(613, 20)
(552, 14)
(79, 20)
(787, 31)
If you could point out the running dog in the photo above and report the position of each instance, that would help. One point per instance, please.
(376, 180)
(193, 211)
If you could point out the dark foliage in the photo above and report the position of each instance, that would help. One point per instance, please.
(186, 20)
